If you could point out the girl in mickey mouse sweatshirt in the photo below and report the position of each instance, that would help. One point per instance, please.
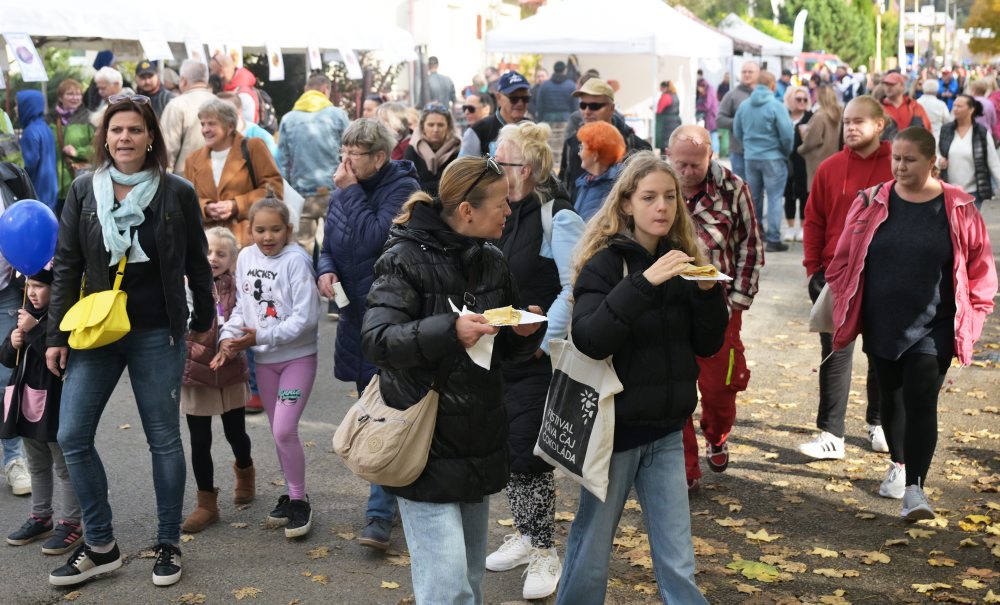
(276, 313)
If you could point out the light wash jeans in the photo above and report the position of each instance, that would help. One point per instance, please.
(10, 302)
(768, 176)
(738, 164)
(381, 504)
(155, 362)
(447, 545)
(657, 471)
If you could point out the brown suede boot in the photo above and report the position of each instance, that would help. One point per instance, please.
(205, 514)
(245, 484)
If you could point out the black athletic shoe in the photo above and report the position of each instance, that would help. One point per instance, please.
(776, 247)
(65, 537)
(167, 567)
(278, 516)
(85, 564)
(33, 529)
(299, 518)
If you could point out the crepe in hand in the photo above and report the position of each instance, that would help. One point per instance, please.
(503, 316)
(705, 271)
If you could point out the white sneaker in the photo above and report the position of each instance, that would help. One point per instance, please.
(915, 506)
(17, 477)
(877, 436)
(788, 234)
(514, 552)
(824, 447)
(542, 575)
(799, 234)
(894, 483)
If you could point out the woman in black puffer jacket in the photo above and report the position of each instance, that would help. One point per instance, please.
(632, 305)
(438, 252)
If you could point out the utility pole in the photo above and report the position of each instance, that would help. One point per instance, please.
(916, 36)
(944, 51)
(878, 36)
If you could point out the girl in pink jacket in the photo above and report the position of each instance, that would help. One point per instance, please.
(913, 273)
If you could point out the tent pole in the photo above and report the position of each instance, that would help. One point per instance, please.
(656, 89)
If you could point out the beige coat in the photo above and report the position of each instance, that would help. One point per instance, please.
(821, 141)
(235, 183)
(181, 127)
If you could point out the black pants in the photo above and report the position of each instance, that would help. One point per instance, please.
(910, 388)
(835, 379)
(234, 427)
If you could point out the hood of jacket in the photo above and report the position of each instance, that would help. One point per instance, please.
(558, 78)
(312, 101)
(761, 95)
(391, 172)
(242, 77)
(427, 227)
(859, 170)
(611, 174)
(30, 106)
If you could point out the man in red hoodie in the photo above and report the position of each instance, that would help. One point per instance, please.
(864, 162)
(239, 80)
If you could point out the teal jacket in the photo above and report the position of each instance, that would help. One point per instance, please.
(763, 127)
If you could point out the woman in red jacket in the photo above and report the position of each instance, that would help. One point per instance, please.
(913, 321)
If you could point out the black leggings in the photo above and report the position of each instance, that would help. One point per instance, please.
(910, 388)
(201, 445)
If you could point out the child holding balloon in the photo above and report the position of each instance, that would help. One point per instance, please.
(31, 411)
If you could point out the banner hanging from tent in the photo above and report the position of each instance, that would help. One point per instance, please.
(275, 63)
(32, 67)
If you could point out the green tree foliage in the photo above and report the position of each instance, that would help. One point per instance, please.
(847, 30)
(985, 14)
(57, 66)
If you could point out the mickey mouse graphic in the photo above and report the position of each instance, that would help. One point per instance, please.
(265, 298)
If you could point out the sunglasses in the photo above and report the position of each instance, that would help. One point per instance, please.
(138, 99)
(801, 99)
(592, 106)
(520, 99)
(470, 108)
(436, 108)
(491, 164)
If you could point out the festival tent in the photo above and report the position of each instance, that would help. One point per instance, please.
(774, 52)
(636, 42)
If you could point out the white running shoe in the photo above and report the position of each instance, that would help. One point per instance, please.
(514, 552)
(542, 575)
(17, 477)
(824, 447)
(799, 234)
(915, 506)
(894, 483)
(877, 437)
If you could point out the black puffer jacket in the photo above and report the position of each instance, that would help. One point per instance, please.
(180, 244)
(654, 334)
(409, 331)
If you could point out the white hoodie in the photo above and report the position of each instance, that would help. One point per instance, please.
(277, 295)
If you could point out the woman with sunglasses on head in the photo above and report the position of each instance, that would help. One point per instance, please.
(370, 189)
(433, 146)
(129, 216)
(797, 186)
(439, 253)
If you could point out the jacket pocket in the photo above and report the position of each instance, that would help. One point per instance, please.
(8, 397)
(33, 403)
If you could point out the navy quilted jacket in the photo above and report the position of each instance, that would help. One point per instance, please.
(357, 227)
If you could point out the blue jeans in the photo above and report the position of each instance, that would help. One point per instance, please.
(381, 504)
(657, 471)
(10, 301)
(252, 366)
(738, 164)
(447, 545)
(768, 176)
(155, 362)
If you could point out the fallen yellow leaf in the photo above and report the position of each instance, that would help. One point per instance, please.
(925, 588)
(632, 504)
(505, 522)
(186, 537)
(942, 562)
(826, 554)
(730, 522)
(191, 598)
(991, 598)
(320, 552)
(562, 516)
(747, 588)
(974, 523)
(973, 584)
(763, 536)
(897, 542)
(72, 596)
(389, 585)
(246, 592)
(320, 579)
(920, 533)
(755, 570)
(124, 427)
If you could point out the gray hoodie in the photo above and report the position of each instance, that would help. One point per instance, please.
(727, 112)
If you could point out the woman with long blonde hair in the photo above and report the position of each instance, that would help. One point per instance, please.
(631, 305)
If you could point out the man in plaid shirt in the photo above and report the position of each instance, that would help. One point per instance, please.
(723, 212)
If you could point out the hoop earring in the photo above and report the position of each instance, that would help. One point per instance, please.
(149, 148)
(108, 149)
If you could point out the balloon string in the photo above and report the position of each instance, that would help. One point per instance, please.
(24, 301)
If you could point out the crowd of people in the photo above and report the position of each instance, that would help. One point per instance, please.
(182, 200)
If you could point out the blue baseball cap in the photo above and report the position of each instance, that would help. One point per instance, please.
(511, 81)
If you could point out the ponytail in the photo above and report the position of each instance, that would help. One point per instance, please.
(406, 212)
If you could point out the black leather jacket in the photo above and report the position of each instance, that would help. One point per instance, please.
(180, 243)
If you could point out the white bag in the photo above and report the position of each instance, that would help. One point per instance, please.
(295, 202)
(821, 314)
(578, 426)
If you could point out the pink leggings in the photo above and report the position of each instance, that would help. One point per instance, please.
(284, 390)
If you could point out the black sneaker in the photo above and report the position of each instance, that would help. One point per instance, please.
(299, 518)
(85, 564)
(65, 537)
(278, 516)
(776, 247)
(376, 534)
(33, 529)
(167, 567)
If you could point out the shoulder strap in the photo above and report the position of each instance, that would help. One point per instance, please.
(547, 221)
(245, 148)
(120, 274)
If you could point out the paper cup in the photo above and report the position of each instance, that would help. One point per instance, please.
(339, 295)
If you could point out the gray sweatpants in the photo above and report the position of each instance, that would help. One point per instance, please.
(43, 458)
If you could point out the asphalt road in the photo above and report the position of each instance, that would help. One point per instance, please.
(768, 485)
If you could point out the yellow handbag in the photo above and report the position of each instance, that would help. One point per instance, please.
(99, 319)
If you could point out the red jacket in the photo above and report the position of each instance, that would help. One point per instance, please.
(975, 273)
(838, 180)
(244, 82)
(909, 113)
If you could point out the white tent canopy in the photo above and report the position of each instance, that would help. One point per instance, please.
(325, 25)
(596, 31)
(770, 45)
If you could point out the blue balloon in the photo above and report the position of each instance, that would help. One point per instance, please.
(28, 231)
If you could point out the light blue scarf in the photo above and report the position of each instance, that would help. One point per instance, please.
(116, 224)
